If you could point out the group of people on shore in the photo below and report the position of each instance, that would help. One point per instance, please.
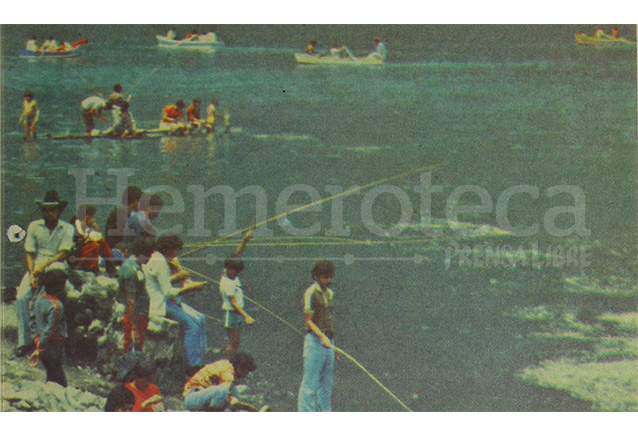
(123, 124)
(337, 50)
(152, 282)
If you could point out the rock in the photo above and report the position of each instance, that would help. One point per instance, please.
(48, 397)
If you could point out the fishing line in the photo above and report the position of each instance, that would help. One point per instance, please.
(299, 331)
(347, 192)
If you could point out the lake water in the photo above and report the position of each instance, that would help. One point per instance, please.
(495, 106)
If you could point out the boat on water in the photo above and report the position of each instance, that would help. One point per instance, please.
(57, 54)
(140, 134)
(304, 58)
(602, 39)
(208, 41)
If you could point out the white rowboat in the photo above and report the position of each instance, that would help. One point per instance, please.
(207, 42)
(304, 58)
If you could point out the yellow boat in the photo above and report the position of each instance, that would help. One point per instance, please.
(602, 39)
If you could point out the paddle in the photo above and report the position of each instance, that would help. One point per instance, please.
(79, 42)
(186, 39)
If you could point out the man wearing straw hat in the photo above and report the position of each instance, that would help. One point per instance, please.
(48, 240)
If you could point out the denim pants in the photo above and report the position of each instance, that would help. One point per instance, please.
(193, 324)
(315, 393)
(25, 299)
(215, 397)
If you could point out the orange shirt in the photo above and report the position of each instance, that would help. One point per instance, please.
(171, 112)
(141, 396)
(192, 113)
(211, 375)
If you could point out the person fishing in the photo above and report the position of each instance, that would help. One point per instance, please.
(233, 298)
(315, 393)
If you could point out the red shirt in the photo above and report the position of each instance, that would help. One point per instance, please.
(171, 112)
(141, 396)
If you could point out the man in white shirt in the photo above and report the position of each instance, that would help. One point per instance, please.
(47, 241)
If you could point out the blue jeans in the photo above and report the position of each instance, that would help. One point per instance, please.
(315, 393)
(25, 300)
(193, 324)
(211, 397)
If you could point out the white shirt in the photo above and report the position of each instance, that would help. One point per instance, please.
(93, 103)
(158, 284)
(32, 45)
(231, 288)
(46, 244)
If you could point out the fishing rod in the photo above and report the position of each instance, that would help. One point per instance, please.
(299, 331)
(345, 193)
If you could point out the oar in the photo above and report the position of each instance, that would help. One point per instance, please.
(350, 53)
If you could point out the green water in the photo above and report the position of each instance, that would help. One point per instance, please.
(496, 107)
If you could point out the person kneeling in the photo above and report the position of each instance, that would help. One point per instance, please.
(213, 387)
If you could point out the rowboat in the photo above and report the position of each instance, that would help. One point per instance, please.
(57, 54)
(205, 42)
(304, 58)
(602, 40)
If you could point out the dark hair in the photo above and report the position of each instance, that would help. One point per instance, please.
(119, 398)
(166, 243)
(28, 94)
(54, 281)
(180, 104)
(131, 194)
(145, 368)
(243, 361)
(85, 210)
(323, 268)
(117, 88)
(151, 200)
(142, 246)
(234, 262)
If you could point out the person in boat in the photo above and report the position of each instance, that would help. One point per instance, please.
(233, 298)
(315, 393)
(30, 115)
(32, 44)
(166, 301)
(65, 47)
(336, 50)
(599, 33)
(50, 45)
(615, 33)
(171, 34)
(93, 107)
(310, 48)
(192, 35)
(211, 114)
(193, 114)
(214, 386)
(90, 244)
(379, 51)
(123, 122)
(48, 240)
(172, 116)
